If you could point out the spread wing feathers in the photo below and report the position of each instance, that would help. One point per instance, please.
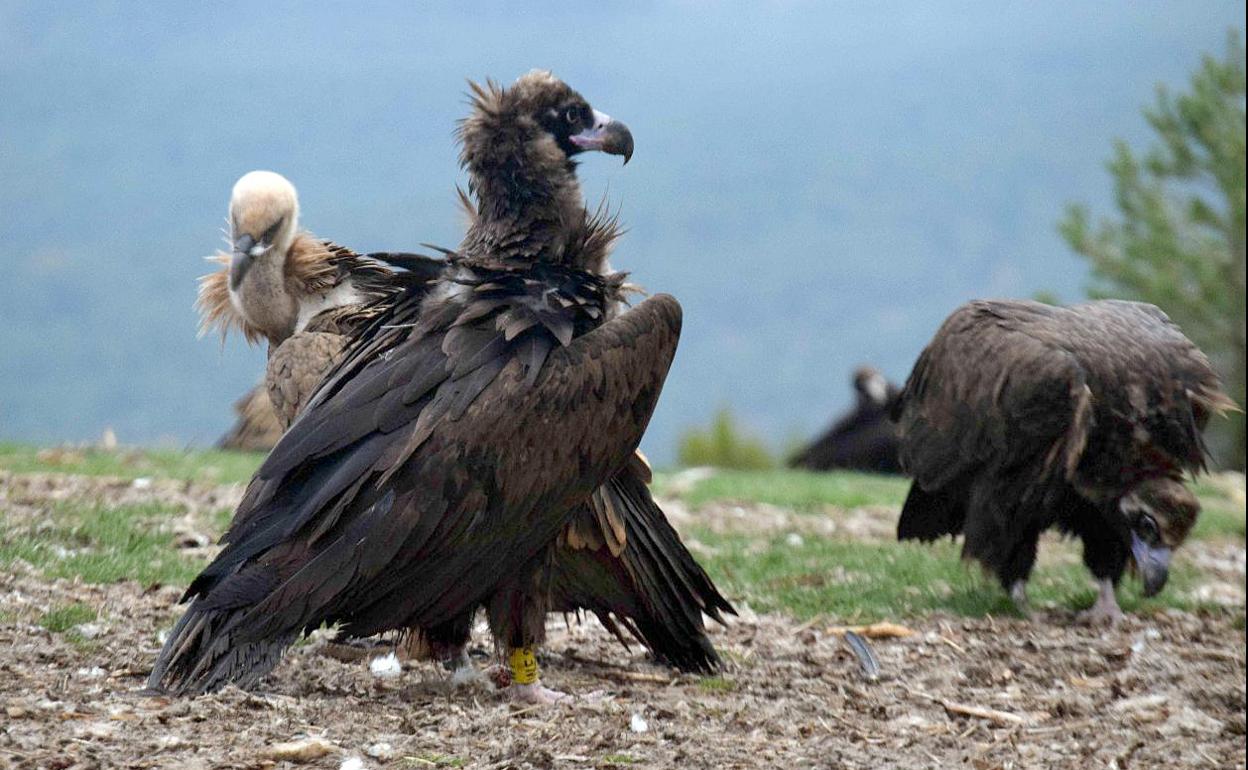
(620, 559)
(414, 482)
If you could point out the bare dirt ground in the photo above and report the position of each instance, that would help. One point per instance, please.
(1160, 691)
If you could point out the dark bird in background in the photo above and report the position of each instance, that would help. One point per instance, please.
(437, 466)
(865, 439)
(255, 428)
(1021, 416)
(618, 557)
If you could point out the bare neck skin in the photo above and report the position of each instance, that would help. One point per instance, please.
(263, 299)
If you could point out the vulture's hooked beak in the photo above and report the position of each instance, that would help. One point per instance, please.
(606, 135)
(246, 249)
(1152, 562)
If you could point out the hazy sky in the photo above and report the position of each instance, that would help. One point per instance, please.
(819, 184)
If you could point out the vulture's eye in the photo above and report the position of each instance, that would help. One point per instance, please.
(573, 115)
(271, 233)
(1146, 526)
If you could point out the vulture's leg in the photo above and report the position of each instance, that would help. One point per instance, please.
(1015, 569)
(448, 644)
(1105, 553)
(517, 615)
(1018, 595)
(1105, 612)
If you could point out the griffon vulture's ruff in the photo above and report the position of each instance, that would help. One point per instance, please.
(287, 287)
(1021, 416)
(437, 465)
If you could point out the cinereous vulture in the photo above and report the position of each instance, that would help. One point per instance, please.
(618, 557)
(1020, 416)
(438, 464)
(864, 439)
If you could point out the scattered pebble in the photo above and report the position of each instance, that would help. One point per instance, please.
(90, 630)
(386, 666)
(352, 763)
(142, 482)
(637, 723)
(794, 540)
(381, 750)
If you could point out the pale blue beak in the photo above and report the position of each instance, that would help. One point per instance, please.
(1153, 563)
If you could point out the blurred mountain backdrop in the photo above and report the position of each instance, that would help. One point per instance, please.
(819, 184)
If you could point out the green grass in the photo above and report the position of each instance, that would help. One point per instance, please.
(716, 684)
(61, 619)
(619, 759)
(844, 581)
(206, 465)
(99, 544)
(800, 490)
(856, 582)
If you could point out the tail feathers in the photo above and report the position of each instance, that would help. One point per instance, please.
(203, 654)
(931, 515)
(654, 588)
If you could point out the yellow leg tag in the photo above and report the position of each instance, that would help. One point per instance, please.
(523, 665)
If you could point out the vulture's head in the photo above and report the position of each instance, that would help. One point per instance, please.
(872, 386)
(1159, 512)
(264, 218)
(539, 122)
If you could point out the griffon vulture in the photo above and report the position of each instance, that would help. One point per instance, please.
(450, 453)
(1021, 416)
(864, 439)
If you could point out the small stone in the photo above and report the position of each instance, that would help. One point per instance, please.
(352, 763)
(15, 712)
(141, 482)
(637, 723)
(90, 630)
(381, 750)
(386, 666)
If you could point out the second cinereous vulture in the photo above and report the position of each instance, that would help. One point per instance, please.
(436, 467)
(1021, 416)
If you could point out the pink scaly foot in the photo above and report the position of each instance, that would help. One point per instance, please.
(536, 694)
(1105, 612)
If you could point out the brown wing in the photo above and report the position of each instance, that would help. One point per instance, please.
(984, 391)
(296, 368)
(619, 558)
(415, 481)
(1154, 391)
